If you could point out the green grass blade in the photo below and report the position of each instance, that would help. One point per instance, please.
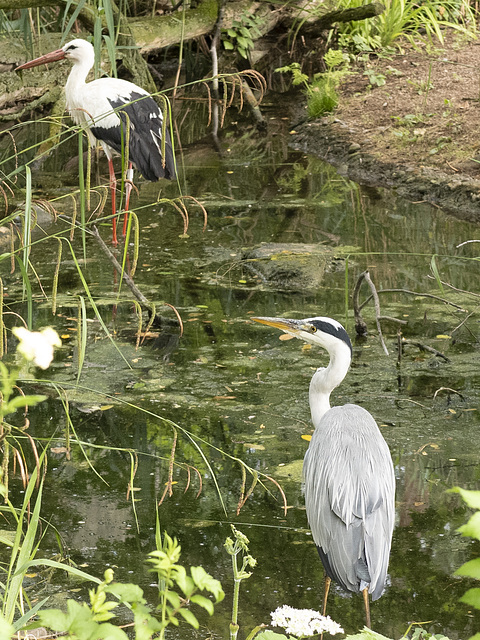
(28, 291)
(434, 268)
(66, 30)
(22, 549)
(45, 562)
(82, 335)
(21, 622)
(94, 306)
(81, 185)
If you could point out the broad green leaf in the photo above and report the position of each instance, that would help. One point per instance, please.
(22, 401)
(203, 580)
(188, 616)
(244, 42)
(54, 619)
(111, 632)
(367, 634)
(126, 592)
(470, 568)
(174, 599)
(6, 629)
(472, 498)
(228, 45)
(270, 635)
(472, 597)
(185, 583)
(203, 602)
(472, 528)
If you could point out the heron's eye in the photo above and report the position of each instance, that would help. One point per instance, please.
(313, 329)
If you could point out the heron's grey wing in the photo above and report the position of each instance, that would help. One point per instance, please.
(349, 497)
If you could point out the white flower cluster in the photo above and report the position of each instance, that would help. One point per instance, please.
(303, 622)
(37, 346)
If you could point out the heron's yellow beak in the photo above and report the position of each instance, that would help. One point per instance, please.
(292, 327)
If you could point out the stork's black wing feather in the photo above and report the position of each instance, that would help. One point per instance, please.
(145, 139)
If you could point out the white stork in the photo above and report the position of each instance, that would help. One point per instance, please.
(105, 106)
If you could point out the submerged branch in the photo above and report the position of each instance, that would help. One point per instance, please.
(144, 302)
(360, 324)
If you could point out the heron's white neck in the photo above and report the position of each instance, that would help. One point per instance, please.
(78, 74)
(326, 379)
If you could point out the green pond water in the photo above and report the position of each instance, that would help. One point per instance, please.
(238, 393)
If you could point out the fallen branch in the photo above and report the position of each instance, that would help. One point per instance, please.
(360, 324)
(144, 302)
(413, 293)
(425, 347)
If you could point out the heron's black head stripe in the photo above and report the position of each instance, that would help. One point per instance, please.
(335, 331)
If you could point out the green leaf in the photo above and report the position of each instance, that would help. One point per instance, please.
(174, 599)
(472, 597)
(54, 619)
(204, 581)
(110, 632)
(270, 635)
(185, 583)
(367, 634)
(472, 528)
(6, 629)
(228, 45)
(126, 592)
(472, 498)
(470, 568)
(244, 42)
(22, 401)
(203, 602)
(189, 617)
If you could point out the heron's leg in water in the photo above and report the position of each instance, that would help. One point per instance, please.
(128, 191)
(113, 186)
(367, 607)
(326, 589)
(325, 593)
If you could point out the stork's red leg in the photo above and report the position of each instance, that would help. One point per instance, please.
(113, 188)
(128, 191)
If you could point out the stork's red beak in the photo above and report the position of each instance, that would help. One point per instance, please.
(59, 54)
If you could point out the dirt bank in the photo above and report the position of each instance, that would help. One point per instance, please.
(417, 133)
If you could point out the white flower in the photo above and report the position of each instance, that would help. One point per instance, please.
(37, 346)
(303, 622)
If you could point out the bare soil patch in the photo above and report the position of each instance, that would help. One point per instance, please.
(419, 132)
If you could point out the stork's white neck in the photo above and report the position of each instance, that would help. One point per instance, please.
(78, 75)
(326, 379)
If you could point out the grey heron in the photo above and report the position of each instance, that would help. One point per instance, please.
(348, 472)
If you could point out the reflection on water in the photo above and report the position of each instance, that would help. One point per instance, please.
(236, 389)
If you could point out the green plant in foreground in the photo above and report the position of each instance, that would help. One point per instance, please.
(298, 623)
(171, 574)
(472, 567)
(82, 621)
(240, 35)
(321, 92)
(238, 545)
